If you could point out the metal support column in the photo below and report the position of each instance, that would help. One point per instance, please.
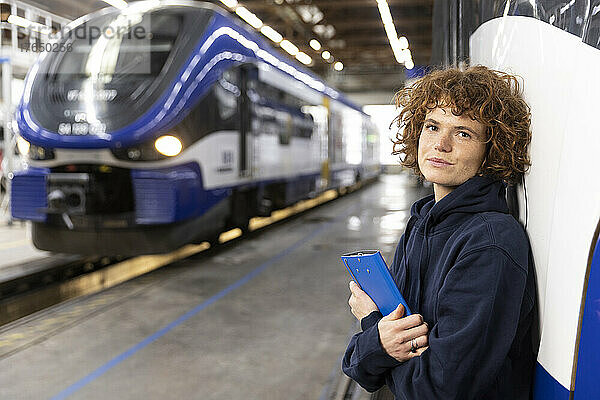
(9, 140)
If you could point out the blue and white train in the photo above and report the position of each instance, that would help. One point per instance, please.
(554, 45)
(168, 122)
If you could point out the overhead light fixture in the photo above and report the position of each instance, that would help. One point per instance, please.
(120, 4)
(326, 55)
(27, 24)
(338, 66)
(230, 3)
(314, 43)
(326, 31)
(289, 47)
(271, 33)
(403, 42)
(406, 55)
(304, 58)
(310, 14)
(249, 17)
(390, 29)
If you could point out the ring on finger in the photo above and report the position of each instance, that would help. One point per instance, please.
(413, 345)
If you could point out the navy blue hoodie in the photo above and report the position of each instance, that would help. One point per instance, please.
(464, 264)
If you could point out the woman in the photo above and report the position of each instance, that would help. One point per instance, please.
(463, 262)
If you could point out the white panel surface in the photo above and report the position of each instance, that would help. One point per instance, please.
(562, 87)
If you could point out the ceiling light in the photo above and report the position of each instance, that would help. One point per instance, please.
(406, 55)
(314, 43)
(324, 31)
(230, 3)
(326, 55)
(116, 3)
(289, 47)
(338, 66)
(249, 17)
(309, 14)
(390, 29)
(403, 43)
(25, 23)
(304, 58)
(271, 33)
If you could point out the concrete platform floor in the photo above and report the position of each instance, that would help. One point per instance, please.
(15, 244)
(265, 318)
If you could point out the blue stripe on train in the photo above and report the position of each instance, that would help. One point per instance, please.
(28, 194)
(172, 194)
(545, 387)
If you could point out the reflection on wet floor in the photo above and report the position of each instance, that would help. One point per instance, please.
(354, 223)
(399, 193)
(387, 208)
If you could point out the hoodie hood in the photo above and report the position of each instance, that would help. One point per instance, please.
(476, 195)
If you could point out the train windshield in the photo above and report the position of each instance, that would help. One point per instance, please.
(111, 69)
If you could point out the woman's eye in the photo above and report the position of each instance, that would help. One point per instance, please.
(431, 127)
(464, 135)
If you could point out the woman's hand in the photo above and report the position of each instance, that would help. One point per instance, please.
(360, 303)
(403, 338)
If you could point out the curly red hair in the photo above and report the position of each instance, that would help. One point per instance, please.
(493, 98)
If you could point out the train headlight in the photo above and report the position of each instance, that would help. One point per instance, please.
(168, 145)
(23, 146)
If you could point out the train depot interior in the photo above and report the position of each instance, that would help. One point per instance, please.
(180, 178)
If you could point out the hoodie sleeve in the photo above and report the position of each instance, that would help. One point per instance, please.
(365, 361)
(478, 312)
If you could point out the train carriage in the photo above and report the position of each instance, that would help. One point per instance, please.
(167, 122)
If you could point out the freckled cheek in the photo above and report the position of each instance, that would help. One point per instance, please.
(424, 146)
(420, 153)
(473, 162)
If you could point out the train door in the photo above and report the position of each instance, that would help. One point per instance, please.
(247, 73)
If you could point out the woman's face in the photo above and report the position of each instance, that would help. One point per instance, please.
(451, 149)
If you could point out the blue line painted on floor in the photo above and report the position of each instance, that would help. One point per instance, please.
(134, 349)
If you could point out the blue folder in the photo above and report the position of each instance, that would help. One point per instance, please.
(371, 274)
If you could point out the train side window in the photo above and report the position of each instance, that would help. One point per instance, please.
(4, 12)
(6, 36)
(22, 38)
(227, 94)
(286, 130)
